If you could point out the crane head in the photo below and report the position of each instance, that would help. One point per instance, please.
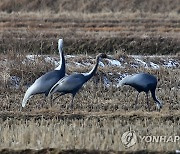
(60, 44)
(103, 55)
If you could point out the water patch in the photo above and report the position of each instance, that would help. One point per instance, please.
(154, 66)
(171, 63)
(142, 63)
(114, 62)
(15, 81)
(106, 82)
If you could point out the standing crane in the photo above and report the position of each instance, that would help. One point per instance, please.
(72, 83)
(143, 82)
(43, 84)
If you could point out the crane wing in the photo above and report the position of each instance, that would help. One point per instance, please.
(68, 84)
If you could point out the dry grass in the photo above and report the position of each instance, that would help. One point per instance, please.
(97, 6)
(90, 33)
(102, 99)
(93, 132)
(101, 114)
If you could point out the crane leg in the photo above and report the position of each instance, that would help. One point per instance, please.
(58, 96)
(72, 102)
(44, 101)
(51, 100)
(136, 101)
(147, 101)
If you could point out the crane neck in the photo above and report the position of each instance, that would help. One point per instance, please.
(94, 69)
(61, 66)
(155, 98)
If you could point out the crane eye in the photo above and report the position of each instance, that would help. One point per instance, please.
(103, 55)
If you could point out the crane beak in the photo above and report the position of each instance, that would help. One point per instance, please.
(109, 57)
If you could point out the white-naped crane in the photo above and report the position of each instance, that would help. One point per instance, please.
(143, 82)
(72, 83)
(43, 84)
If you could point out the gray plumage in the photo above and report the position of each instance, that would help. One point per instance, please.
(43, 84)
(72, 83)
(143, 82)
